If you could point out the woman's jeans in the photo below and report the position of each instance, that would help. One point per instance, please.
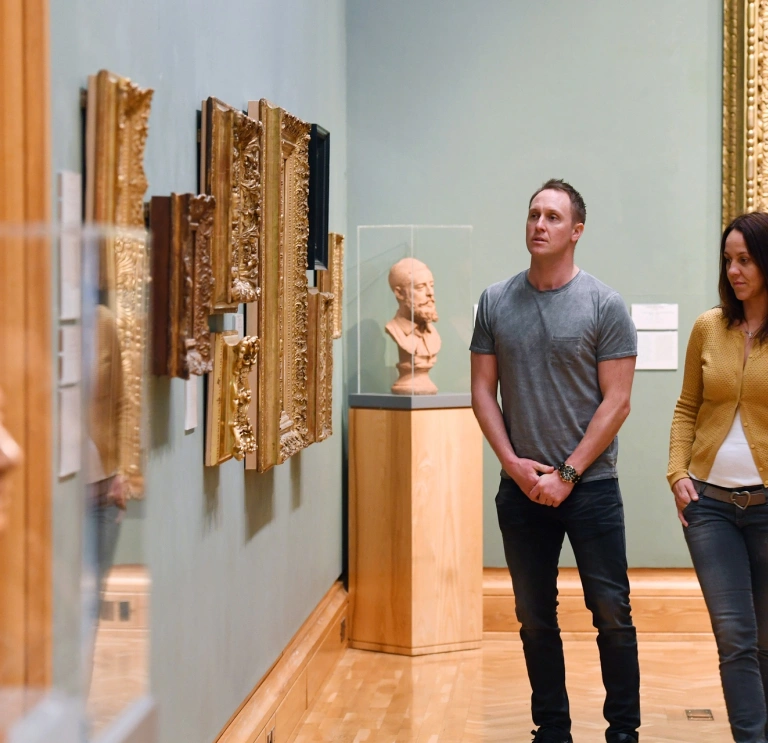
(729, 548)
(593, 518)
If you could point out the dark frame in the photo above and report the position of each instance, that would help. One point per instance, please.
(319, 187)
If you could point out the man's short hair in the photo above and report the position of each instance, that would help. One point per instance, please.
(578, 207)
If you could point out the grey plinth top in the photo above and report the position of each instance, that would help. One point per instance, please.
(410, 402)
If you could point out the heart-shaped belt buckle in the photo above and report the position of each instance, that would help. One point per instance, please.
(740, 494)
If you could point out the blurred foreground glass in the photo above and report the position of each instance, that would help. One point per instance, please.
(94, 546)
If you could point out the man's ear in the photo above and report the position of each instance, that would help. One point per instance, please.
(400, 294)
(578, 231)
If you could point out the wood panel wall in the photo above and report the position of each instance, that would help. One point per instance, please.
(25, 341)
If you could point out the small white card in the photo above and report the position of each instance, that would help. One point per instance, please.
(656, 349)
(70, 220)
(69, 354)
(240, 324)
(69, 431)
(655, 316)
(190, 407)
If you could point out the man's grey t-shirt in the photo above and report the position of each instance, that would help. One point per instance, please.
(547, 345)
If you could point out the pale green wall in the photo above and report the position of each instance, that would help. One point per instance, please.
(458, 110)
(237, 561)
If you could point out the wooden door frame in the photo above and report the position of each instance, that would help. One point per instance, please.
(25, 340)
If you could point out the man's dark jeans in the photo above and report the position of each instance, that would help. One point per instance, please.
(729, 548)
(593, 518)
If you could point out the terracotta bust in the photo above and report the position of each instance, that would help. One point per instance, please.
(10, 454)
(412, 327)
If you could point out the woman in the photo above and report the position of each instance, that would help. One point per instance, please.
(718, 470)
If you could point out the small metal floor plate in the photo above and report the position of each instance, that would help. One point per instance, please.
(699, 714)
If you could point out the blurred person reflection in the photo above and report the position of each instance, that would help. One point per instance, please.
(107, 489)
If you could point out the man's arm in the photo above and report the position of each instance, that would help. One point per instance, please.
(615, 378)
(485, 381)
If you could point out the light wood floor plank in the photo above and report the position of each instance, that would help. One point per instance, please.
(483, 696)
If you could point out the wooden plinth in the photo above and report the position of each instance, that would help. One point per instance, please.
(415, 530)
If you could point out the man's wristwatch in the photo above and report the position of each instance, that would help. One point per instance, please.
(568, 473)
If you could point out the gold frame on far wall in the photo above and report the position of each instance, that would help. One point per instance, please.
(279, 317)
(117, 125)
(332, 280)
(745, 107)
(230, 166)
(320, 368)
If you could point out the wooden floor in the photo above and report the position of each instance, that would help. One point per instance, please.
(483, 695)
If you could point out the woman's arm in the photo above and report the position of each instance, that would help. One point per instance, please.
(684, 424)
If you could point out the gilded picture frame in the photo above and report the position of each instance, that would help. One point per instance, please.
(182, 284)
(117, 124)
(279, 317)
(231, 161)
(745, 107)
(229, 433)
(332, 280)
(320, 367)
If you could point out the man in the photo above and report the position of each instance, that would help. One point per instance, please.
(562, 347)
(411, 328)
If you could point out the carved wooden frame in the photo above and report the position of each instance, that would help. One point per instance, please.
(279, 318)
(332, 280)
(320, 369)
(182, 283)
(745, 107)
(231, 165)
(229, 432)
(116, 134)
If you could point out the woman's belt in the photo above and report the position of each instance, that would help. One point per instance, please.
(741, 497)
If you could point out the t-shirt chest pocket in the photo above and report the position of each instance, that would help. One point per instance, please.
(565, 350)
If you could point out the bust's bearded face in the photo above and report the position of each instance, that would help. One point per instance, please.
(419, 297)
(10, 454)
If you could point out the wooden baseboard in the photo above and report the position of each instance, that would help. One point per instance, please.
(415, 651)
(666, 602)
(280, 700)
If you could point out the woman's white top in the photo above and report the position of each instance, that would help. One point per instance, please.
(734, 466)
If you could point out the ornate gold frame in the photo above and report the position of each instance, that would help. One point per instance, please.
(745, 107)
(332, 280)
(280, 315)
(229, 432)
(116, 134)
(231, 172)
(320, 368)
(201, 215)
(182, 283)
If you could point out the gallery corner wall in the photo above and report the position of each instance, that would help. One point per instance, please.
(237, 561)
(458, 111)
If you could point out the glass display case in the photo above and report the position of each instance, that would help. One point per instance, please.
(410, 315)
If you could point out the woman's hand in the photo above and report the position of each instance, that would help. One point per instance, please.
(684, 494)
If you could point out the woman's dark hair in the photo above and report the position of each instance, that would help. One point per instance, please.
(754, 227)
